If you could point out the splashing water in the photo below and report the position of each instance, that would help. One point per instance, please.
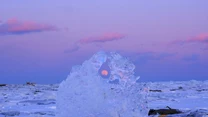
(85, 93)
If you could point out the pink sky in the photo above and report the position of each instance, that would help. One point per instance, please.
(41, 42)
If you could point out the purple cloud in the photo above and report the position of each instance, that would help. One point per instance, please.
(72, 49)
(205, 49)
(142, 58)
(102, 38)
(14, 26)
(201, 38)
(193, 57)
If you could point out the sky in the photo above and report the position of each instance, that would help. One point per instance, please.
(40, 40)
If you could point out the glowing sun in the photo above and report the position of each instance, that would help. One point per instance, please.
(104, 72)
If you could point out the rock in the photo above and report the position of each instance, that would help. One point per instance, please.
(11, 113)
(164, 111)
(155, 90)
(30, 83)
(2, 85)
(198, 113)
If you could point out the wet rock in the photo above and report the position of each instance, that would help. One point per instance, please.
(202, 90)
(155, 90)
(164, 111)
(198, 113)
(11, 113)
(49, 113)
(180, 87)
(30, 83)
(2, 85)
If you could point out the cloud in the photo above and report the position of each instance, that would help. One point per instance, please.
(201, 38)
(153, 55)
(193, 57)
(177, 42)
(102, 38)
(16, 27)
(205, 48)
(71, 49)
(144, 57)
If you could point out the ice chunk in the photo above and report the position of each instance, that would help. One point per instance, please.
(86, 94)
